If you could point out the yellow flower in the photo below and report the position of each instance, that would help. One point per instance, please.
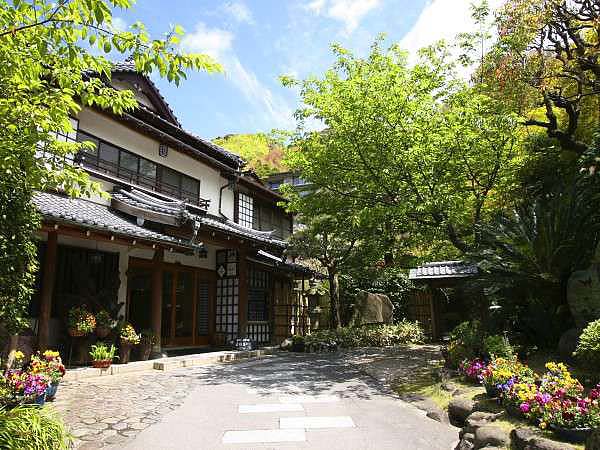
(51, 354)
(17, 354)
(543, 425)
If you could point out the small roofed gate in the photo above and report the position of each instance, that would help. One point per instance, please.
(290, 307)
(421, 307)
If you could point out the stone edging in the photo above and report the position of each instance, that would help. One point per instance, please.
(163, 364)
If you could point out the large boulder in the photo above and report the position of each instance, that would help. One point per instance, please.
(490, 435)
(568, 343)
(459, 409)
(372, 308)
(528, 439)
(583, 295)
(593, 442)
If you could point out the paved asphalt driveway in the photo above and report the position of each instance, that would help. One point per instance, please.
(295, 401)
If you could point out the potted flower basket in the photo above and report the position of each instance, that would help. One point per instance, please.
(128, 338)
(102, 355)
(80, 322)
(491, 390)
(50, 364)
(104, 324)
(148, 339)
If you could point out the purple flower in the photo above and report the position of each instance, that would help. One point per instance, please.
(525, 407)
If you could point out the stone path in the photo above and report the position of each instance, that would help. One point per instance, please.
(104, 411)
(285, 401)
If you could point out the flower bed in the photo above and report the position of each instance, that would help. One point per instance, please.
(554, 400)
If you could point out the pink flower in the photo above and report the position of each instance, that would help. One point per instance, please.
(525, 407)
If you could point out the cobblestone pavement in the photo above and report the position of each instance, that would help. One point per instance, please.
(110, 410)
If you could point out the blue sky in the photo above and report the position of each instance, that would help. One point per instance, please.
(258, 40)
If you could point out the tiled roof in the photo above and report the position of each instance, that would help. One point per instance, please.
(95, 216)
(236, 230)
(129, 67)
(100, 217)
(443, 269)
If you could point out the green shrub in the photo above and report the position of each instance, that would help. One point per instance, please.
(33, 428)
(404, 332)
(466, 342)
(497, 346)
(588, 348)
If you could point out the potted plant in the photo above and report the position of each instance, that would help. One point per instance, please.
(128, 338)
(104, 324)
(50, 364)
(148, 339)
(102, 356)
(26, 387)
(81, 322)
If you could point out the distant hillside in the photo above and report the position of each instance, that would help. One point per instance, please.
(263, 152)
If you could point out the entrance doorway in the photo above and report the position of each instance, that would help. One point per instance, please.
(187, 297)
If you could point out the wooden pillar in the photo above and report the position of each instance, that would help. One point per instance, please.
(434, 328)
(48, 279)
(157, 288)
(243, 293)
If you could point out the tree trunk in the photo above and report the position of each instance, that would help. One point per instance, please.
(334, 298)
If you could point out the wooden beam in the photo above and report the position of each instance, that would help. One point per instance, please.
(242, 292)
(157, 288)
(48, 279)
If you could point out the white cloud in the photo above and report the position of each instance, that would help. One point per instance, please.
(239, 11)
(213, 41)
(218, 43)
(119, 24)
(349, 12)
(316, 6)
(441, 19)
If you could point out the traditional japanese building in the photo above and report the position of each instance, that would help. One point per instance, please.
(186, 243)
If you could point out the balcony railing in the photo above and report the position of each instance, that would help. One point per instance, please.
(149, 183)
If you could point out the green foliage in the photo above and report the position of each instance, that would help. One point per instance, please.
(402, 333)
(18, 254)
(496, 346)
(33, 428)
(527, 257)
(466, 342)
(101, 352)
(262, 152)
(413, 144)
(588, 348)
(52, 64)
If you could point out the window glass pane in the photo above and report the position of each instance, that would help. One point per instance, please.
(83, 137)
(245, 210)
(170, 181)
(189, 188)
(109, 157)
(147, 174)
(128, 166)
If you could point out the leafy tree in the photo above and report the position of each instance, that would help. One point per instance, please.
(263, 152)
(436, 154)
(51, 65)
(527, 256)
(547, 63)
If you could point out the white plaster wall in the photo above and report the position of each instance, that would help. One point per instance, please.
(112, 131)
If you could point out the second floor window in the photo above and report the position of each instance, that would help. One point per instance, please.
(138, 170)
(245, 210)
